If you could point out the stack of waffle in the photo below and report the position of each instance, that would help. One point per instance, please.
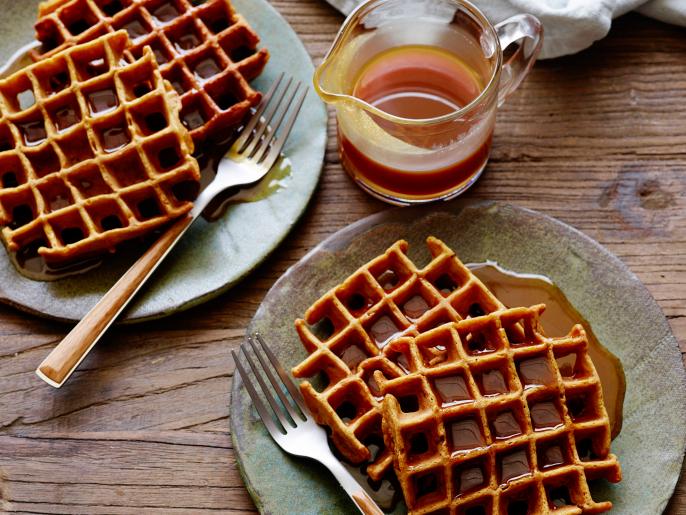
(425, 374)
(97, 136)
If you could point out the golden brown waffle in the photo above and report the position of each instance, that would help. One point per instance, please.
(515, 424)
(204, 48)
(386, 298)
(92, 152)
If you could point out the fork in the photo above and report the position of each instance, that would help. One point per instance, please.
(248, 160)
(296, 432)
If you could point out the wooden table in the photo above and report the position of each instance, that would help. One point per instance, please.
(597, 140)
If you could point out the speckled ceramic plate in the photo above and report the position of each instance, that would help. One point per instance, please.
(212, 257)
(619, 308)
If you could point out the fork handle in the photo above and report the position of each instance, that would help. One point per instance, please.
(63, 360)
(361, 499)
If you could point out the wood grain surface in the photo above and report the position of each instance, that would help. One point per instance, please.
(597, 140)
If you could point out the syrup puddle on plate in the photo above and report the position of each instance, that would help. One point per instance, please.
(559, 317)
(33, 266)
(277, 179)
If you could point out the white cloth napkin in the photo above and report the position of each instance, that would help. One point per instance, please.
(570, 25)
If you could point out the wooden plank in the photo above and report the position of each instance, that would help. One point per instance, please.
(597, 140)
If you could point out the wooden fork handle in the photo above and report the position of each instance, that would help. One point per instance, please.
(64, 359)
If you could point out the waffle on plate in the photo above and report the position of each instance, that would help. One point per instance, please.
(92, 152)
(204, 48)
(498, 427)
(346, 330)
(424, 371)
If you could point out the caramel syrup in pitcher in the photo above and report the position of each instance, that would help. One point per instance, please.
(419, 83)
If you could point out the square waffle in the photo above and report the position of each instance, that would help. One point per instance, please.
(346, 330)
(510, 425)
(92, 152)
(204, 48)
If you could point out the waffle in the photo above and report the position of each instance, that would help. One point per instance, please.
(345, 330)
(92, 152)
(515, 424)
(204, 49)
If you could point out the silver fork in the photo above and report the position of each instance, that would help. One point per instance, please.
(295, 432)
(251, 156)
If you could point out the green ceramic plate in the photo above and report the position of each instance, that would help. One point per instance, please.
(619, 308)
(212, 257)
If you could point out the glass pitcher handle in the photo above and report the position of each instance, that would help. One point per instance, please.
(527, 32)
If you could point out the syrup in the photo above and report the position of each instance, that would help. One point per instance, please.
(206, 68)
(385, 493)
(353, 356)
(66, 117)
(115, 138)
(469, 478)
(492, 383)
(388, 280)
(32, 265)
(415, 307)
(558, 318)
(136, 29)
(187, 42)
(404, 363)
(191, 119)
(358, 304)
(535, 372)
(465, 435)
(505, 425)
(544, 416)
(165, 13)
(384, 330)
(451, 390)
(97, 67)
(551, 457)
(34, 132)
(417, 83)
(513, 466)
(412, 184)
(102, 101)
(160, 56)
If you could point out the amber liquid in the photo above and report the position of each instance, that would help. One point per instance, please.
(418, 83)
(558, 318)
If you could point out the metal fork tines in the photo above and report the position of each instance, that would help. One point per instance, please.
(289, 422)
(258, 139)
(261, 140)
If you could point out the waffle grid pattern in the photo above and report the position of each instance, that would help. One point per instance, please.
(345, 330)
(92, 152)
(205, 49)
(524, 441)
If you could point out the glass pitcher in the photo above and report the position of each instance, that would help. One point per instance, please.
(433, 142)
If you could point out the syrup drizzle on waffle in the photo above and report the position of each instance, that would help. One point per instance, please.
(497, 432)
(492, 368)
(346, 330)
